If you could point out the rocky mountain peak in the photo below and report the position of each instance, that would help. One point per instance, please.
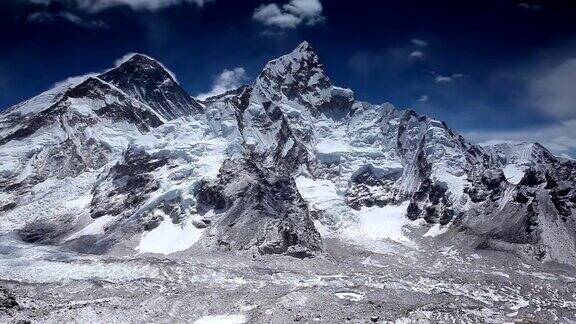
(304, 51)
(142, 66)
(303, 61)
(297, 76)
(147, 80)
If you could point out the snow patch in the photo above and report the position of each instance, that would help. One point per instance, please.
(454, 184)
(386, 222)
(221, 319)
(349, 296)
(169, 237)
(364, 225)
(79, 203)
(94, 228)
(520, 304)
(328, 146)
(436, 230)
(322, 193)
(513, 173)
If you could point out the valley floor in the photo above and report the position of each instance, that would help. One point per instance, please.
(347, 284)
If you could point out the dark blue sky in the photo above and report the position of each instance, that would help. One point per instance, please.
(493, 69)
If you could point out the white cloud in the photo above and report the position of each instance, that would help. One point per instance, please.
(291, 15)
(40, 2)
(272, 15)
(416, 55)
(423, 98)
(309, 10)
(265, 12)
(559, 138)
(93, 6)
(227, 80)
(447, 78)
(419, 42)
(442, 79)
(553, 91)
(47, 17)
(530, 6)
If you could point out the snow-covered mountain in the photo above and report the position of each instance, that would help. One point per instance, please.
(128, 161)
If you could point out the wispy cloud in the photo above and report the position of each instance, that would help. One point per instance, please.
(47, 17)
(439, 78)
(227, 80)
(416, 55)
(530, 6)
(442, 79)
(423, 98)
(543, 90)
(93, 6)
(73, 81)
(419, 42)
(552, 90)
(290, 15)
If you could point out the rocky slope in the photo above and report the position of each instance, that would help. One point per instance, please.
(126, 160)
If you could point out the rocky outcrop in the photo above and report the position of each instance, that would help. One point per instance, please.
(7, 300)
(258, 209)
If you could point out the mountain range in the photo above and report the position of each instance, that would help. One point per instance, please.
(126, 161)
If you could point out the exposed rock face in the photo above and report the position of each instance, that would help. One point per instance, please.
(534, 217)
(131, 185)
(7, 300)
(142, 156)
(145, 79)
(297, 77)
(260, 209)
